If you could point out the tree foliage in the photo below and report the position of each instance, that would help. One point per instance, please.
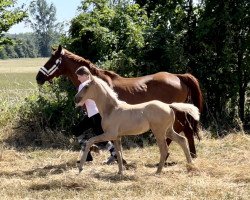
(109, 31)
(9, 16)
(42, 19)
(209, 40)
(220, 57)
(23, 46)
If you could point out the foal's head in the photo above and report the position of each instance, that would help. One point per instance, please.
(52, 67)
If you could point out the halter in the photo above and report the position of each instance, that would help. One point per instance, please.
(54, 68)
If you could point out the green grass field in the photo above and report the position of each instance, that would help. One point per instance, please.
(17, 78)
(22, 65)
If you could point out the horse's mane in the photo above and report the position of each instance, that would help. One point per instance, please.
(76, 57)
(92, 67)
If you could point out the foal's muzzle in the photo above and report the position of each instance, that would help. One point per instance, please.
(77, 100)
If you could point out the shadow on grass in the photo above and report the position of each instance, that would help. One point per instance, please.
(114, 177)
(55, 184)
(51, 169)
(167, 164)
(41, 172)
(23, 139)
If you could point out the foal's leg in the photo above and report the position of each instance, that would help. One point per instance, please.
(178, 127)
(161, 141)
(118, 149)
(89, 143)
(181, 141)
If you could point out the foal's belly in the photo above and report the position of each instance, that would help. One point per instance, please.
(134, 125)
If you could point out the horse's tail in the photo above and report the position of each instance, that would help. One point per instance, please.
(187, 108)
(195, 94)
(194, 97)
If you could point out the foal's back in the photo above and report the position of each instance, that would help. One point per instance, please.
(139, 118)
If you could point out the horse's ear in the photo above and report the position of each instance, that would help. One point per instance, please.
(53, 48)
(59, 49)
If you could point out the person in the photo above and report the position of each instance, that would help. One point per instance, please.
(93, 120)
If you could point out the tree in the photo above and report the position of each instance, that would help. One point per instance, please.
(9, 16)
(209, 40)
(43, 21)
(110, 31)
(220, 57)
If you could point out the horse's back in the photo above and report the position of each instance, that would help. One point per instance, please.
(161, 86)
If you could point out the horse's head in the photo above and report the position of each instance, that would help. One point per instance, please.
(52, 67)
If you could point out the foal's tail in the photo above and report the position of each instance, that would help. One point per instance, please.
(187, 108)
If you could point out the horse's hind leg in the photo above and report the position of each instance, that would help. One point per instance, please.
(181, 141)
(190, 137)
(183, 124)
(161, 141)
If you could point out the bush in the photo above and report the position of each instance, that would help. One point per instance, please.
(53, 107)
(46, 117)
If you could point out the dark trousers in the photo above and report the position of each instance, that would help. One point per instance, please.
(93, 122)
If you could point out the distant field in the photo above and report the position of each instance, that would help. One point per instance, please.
(22, 65)
(17, 78)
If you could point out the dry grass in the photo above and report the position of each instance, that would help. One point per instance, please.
(223, 173)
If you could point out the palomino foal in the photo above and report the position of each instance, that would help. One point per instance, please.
(120, 119)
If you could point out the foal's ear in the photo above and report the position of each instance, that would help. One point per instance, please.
(91, 77)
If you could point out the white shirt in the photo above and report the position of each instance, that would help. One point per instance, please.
(89, 103)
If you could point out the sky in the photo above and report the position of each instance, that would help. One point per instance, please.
(65, 11)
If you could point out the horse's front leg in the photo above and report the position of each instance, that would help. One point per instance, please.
(100, 138)
(118, 150)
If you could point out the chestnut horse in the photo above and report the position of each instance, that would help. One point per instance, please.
(154, 115)
(162, 86)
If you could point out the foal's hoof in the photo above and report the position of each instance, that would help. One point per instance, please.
(120, 173)
(192, 168)
(80, 170)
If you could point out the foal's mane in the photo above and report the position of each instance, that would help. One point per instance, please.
(101, 73)
(107, 88)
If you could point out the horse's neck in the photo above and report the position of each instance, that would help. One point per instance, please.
(105, 102)
(74, 62)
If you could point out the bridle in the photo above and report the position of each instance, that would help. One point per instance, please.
(54, 68)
